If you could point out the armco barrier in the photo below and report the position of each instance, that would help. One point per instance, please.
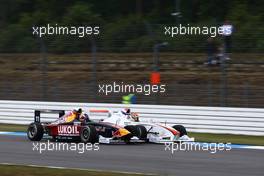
(247, 121)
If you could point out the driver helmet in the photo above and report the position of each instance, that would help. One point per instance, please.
(77, 112)
(126, 111)
(135, 116)
(84, 118)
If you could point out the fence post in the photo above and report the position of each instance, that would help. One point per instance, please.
(94, 70)
(223, 82)
(43, 68)
(246, 94)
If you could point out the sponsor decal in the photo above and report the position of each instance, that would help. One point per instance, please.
(173, 131)
(68, 130)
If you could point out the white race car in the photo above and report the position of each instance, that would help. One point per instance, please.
(150, 132)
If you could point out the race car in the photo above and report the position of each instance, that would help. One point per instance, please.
(70, 127)
(150, 132)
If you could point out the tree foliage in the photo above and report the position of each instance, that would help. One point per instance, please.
(130, 25)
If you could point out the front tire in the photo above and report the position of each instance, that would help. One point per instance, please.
(137, 130)
(132, 129)
(142, 132)
(35, 132)
(181, 129)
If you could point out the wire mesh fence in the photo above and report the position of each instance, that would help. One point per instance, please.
(70, 68)
(76, 78)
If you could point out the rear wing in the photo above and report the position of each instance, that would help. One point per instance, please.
(39, 111)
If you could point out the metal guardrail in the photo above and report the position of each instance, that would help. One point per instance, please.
(246, 121)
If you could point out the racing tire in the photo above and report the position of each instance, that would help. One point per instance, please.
(142, 132)
(137, 130)
(181, 129)
(132, 129)
(35, 131)
(133, 132)
(89, 134)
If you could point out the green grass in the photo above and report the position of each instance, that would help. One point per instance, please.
(15, 128)
(201, 137)
(225, 138)
(17, 170)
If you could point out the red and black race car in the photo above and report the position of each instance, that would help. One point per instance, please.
(84, 131)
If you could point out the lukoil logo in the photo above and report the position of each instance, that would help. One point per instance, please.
(67, 129)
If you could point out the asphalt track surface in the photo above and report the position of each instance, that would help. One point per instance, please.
(142, 158)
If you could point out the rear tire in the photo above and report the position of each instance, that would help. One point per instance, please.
(35, 131)
(89, 134)
(181, 129)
